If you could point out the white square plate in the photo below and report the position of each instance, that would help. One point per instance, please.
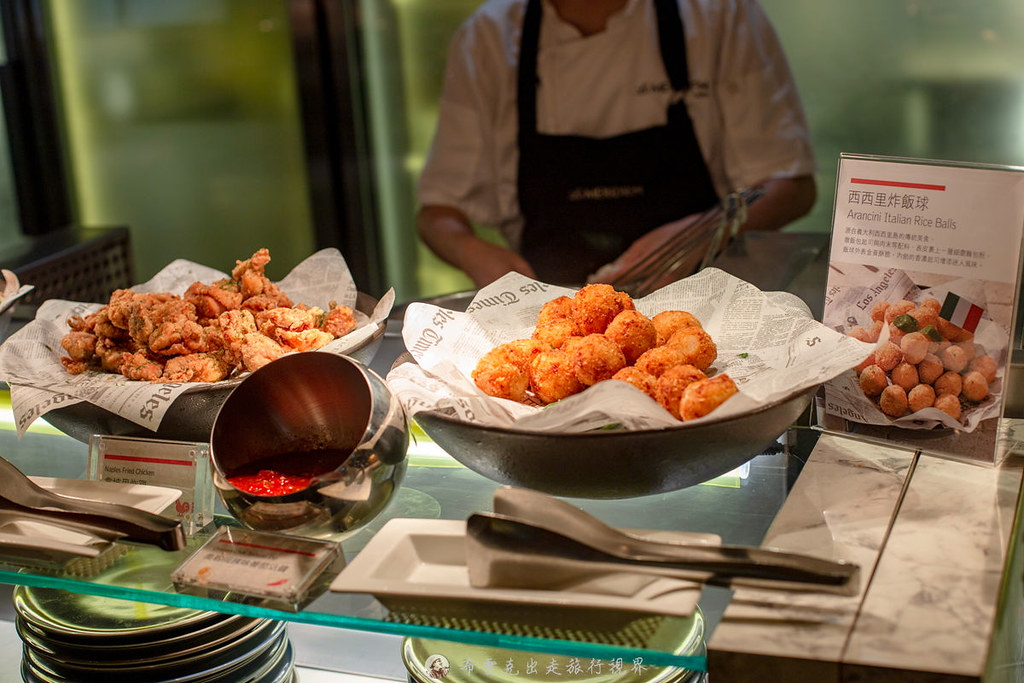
(36, 543)
(415, 563)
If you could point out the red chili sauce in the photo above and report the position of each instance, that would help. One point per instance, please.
(287, 473)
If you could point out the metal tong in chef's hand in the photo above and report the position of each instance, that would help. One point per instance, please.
(21, 497)
(536, 541)
(691, 249)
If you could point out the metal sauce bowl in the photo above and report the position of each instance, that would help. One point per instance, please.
(316, 403)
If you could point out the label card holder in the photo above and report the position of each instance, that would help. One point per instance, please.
(925, 262)
(182, 465)
(273, 567)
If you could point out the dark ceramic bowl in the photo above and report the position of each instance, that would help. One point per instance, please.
(610, 464)
(190, 417)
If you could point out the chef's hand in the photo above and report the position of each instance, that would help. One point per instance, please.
(783, 200)
(644, 247)
(449, 234)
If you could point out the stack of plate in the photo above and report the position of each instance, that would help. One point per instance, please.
(69, 637)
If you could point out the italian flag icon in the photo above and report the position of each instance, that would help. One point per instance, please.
(961, 312)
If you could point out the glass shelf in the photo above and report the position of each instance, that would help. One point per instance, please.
(739, 507)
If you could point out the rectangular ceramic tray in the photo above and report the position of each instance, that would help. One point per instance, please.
(416, 564)
(39, 544)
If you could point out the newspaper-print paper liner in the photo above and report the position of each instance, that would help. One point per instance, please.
(30, 358)
(846, 311)
(767, 342)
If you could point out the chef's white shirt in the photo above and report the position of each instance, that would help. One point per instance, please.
(744, 106)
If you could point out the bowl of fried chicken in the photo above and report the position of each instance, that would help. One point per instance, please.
(190, 344)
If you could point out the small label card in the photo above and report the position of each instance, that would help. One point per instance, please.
(275, 567)
(924, 263)
(182, 465)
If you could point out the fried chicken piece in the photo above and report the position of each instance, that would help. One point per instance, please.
(234, 326)
(196, 367)
(249, 273)
(288, 318)
(260, 302)
(73, 367)
(140, 365)
(176, 338)
(119, 307)
(274, 293)
(104, 329)
(256, 350)
(340, 320)
(131, 311)
(211, 340)
(253, 283)
(304, 340)
(79, 324)
(703, 396)
(80, 346)
(147, 312)
(111, 353)
(213, 299)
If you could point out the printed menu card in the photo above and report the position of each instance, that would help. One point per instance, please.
(925, 263)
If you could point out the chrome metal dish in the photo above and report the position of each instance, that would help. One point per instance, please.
(614, 464)
(190, 417)
(326, 409)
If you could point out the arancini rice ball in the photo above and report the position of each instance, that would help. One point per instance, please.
(975, 386)
(643, 381)
(920, 397)
(672, 385)
(893, 400)
(633, 332)
(888, 356)
(668, 323)
(596, 358)
(949, 382)
(986, 365)
(594, 306)
(949, 404)
(873, 380)
(703, 396)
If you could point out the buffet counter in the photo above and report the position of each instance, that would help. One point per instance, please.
(937, 541)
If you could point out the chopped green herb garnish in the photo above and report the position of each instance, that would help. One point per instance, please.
(905, 323)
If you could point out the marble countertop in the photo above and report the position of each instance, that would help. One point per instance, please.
(933, 537)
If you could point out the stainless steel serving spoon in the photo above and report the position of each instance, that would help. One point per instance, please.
(528, 525)
(109, 521)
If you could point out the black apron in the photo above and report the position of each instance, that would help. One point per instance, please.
(585, 200)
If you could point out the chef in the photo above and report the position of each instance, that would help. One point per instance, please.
(591, 131)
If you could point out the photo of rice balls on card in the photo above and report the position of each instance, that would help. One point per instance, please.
(935, 359)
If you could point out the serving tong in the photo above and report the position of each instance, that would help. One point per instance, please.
(107, 521)
(535, 541)
(704, 235)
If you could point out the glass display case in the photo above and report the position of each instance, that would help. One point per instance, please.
(739, 507)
